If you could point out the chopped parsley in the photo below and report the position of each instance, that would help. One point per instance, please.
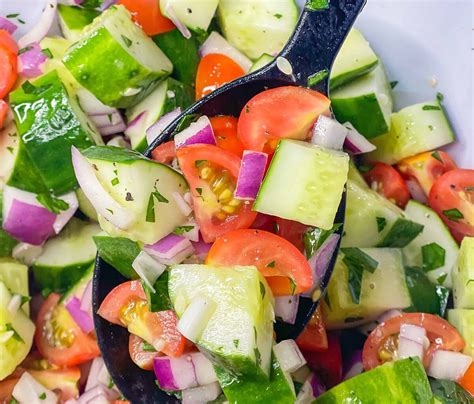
(292, 286)
(270, 264)
(115, 181)
(236, 342)
(431, 108)
(440, 279)
(12, 15)
(277, 15)
(262, 290)
(25, 49)
(52, 203)
(247, 109)
(127, 41)
(16, 336)
(402, 233)
(381, 223)
(393, 84)
(199, 191)
(317, 77)
(10, 149)
(313, 239)
(42, 396)
(315, 5)
(433, 256)
(29, 88)
(258, 356)
(180, 230)
(437, 156)
(453, 214)
(146, 347)
(47, 52)
(365, 168)
(199, 163)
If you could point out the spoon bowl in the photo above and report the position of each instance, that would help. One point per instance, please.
(310, 52)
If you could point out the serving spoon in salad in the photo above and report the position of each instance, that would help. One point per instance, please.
(305, 61)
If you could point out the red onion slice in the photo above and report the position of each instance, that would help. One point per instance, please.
(329, 133)
(355, 142)
(251, 173)
(199, 132)
(106, 4)
(63, 218)
(183, 206)
(449, 365)
(354, 365)
(161, 124)
(170, 13)
(286, 308)
(98, 394)
(30, 61)
(7, 25)
(289, 355)
(42, 27)
(172, 249)
(202, 394)
(204, 369)
(86, 300)
(112, 129)
(216, 43)
(311, 389)
(82, 319)
(175, 373)
(201, 249)
(416, 191)
(148, 269)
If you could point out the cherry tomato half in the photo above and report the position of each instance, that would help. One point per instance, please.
(285, 268)
(7, 41)
(225, 131)
(280, 113)
(425, 168)
(381, 344)
(388, 182)
(147, 14)
(140, 353)
(452, 197)
(164, 153)
(3, 112)
(59, 339)
(8, 70)
(314, 337)
(212, 177)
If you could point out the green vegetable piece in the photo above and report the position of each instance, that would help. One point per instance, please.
(449, 392)
(453, 214)
(314, 238)
(433, 256)
(160, 300)
(401, 234)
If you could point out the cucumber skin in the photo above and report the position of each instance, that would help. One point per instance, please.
(120, 252)
(7, 243)
(183, 52)
(91, 3)
(349, 110)
(59, 279)
(76, 18)
(107, 77)
(47, 127)
(342, 79)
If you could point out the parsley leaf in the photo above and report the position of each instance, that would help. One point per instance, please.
(402, 233)
(262, 290)
(437, 156)
(180, 230)
(52, 203)
(381, 223)
(433, 256)
(47, 52)
(315, 5)
(292, 286)
(431, 108)
(16, 336)
(146, 347)
(236, 342)
(314, 238)
(453, 214)
(270, 265)
(42, 396)
(150, 210)
(317, 77)
(127, 41)
(29, 88)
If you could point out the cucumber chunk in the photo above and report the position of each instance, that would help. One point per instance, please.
(355, 59)
(15, 277)
(7, 242)
(73, 20)
(402, 381)
(304, 183)
(366, 103)
(369, 216)
(66, 257)
(169, 95)
(78, 288)
(85, 206)
(463, 320)
(49, 122)
(17, 347)
(256, 27)
(262, 61)
(463, 276)
(434, 237)
(356, 176)
(195, 15)
(382, 290)
(415, 129)
(239, 335)
(9, 142)
(116, 61)
(142, 186)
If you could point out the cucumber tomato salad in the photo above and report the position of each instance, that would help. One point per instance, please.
(232, 223)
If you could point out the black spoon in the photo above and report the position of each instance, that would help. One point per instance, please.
(311, 51)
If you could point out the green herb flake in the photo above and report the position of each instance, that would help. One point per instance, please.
(277, 15)
(349, 320)
(52, 203)
(29, 88)
(440, 279)
(25, 49)
(13, 401)
(146, 347)
(263, 290)
(316, 5)
(270, 265)
(317, 77)
(127, 41)
(292, 286)
(186, 121)
(110, 210)
(236, 342)
(433, 256)
(150, 210)
(20, 21)
(180, 230)
(199, 163)
(381, 223)
(47, 52)
(437, 156)
(11, 149)
(402, 233)
(12, 15)
(469, 189)
(313, 239)
(160, 198)
(42, 396)
(453, 214)
(431, 108)
(258, 356)
(115, 181)
(25, 299)
(16, 336)
(440, 97)
(199, 191)
(431, 127)
(365, 168)
(247, 109)
(393, 84)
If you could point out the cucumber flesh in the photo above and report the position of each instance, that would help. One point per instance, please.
(256, 27)
(304, 183)
(85, 206)
(415, 129)
(355, 59)
(15, 277)
(434, 231)
(7, 242)
(366, 103)
(195, 15)
(77, 289)
(463, 276)
(463, 320)
(9, 142)
(262, 61)
(73, 20)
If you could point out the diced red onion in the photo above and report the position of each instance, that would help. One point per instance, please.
(329, 133)
(42, 27)
(193, 234)
(119, 141)
(449, 365)
(104, 120)
(82, 319)
(7, 25)
(170, 250)
(311, 389)
(183, 206)
(103, 203)
(148, 269)
(65, 215)
(354, 365)
(216, 43)
(29, 390)
(201, 249)
(24, 218)
(112, 129)
(204, 369)
(175, 373)
(251, 173)
(413, 332)
(194, 320)
(161, 124)
(199, 132)
(14, 304)
(408, 348)
(99, 394)
(416, 191)
(91, 105)
(286, 308)
(355, 142)
(170, 13)
(202, 394)
(86, 300)
(94, 373)
(289, 355)
(30, 61)
(26, 253)
(106, 4)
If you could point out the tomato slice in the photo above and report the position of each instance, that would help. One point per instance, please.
(425, 168)
(126, 305)
(7, 41)
(3, 112)
(212, 176)
(225, 130)
(147, 14)
(286, 270)
(442, 335)
(59, 339)
(467, 381)
(388, 182)
(314, 337)
(214, 71)
(140, 354)
(164, 153)
(280, 113)
(452, 197)
(8, 70)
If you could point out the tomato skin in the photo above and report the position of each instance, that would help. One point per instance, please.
(84, 347)
(7, 41)
(455, 190)
(8, 70)
(276, 259)
(147, 14)
(164, 153)
(292, 231)
(3, 112)
(280, 113)
(214, 71)
(441, 334)
(467, 381)
(426, 168)
(205, 202)
(388, 182)
(141, 358)
(225, 130)
(314, 336)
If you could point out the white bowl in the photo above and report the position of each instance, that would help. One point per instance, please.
(426, 45)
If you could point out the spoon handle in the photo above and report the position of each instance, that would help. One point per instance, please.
(317, 39)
